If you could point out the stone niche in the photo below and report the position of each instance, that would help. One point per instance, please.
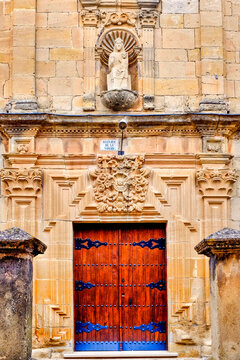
(126, 92)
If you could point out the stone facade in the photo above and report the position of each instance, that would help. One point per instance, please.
(183, 132)
(187, 57)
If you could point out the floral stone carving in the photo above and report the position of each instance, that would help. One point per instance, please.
(21, 181)
(216, 181)
(120, 183)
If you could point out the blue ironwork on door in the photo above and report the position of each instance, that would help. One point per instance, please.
(120, 287)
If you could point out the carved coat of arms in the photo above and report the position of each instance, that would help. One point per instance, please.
(120, 183)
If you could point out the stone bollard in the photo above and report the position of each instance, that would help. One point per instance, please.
(223, 248)
(17, 249)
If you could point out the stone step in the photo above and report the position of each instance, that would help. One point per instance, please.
(120, 355)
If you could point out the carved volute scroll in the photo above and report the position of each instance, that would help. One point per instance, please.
(216, 182)
(120, 183)
(21, 181)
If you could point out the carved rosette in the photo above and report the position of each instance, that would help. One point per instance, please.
(21, 181)
(120, 183)
(216, 182)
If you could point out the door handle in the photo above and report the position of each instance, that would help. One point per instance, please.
(130, 301)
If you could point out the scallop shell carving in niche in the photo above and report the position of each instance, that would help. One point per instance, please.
(130, 45)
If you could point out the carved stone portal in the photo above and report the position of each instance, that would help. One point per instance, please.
(120, 183)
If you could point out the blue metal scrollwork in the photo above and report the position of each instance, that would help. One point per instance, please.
(87, 244)
(88, 327)
(160, 285)
(152, 327)
(152, 243)
(80, 285)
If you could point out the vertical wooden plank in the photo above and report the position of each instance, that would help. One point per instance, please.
(104, 303)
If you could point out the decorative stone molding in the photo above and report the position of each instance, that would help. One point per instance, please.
(216, 182)
(89, 102)
(90, 17)
(21, 181)
(211, 105)
(148, 3)
(148, 18)
(213, 145)
(148, 102)
(118, 18)
(120, 183)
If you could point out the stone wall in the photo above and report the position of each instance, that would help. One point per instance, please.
(189, 54)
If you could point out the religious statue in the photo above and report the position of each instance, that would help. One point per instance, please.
(118, 77)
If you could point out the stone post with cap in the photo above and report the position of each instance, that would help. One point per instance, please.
(223, 248)
(17, 249)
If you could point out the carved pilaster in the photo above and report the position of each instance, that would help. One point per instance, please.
(22, 188)
(148, 20)
(120, 183)
(215, 187)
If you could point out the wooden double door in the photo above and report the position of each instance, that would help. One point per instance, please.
(120, 294)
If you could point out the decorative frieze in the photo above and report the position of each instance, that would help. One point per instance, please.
(216, 182)
(118, 18)
(120, 183)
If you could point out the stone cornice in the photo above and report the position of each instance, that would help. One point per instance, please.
(218, 247)
(223, 242)
(48, 125)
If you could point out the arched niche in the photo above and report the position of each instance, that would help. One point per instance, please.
(104, 47)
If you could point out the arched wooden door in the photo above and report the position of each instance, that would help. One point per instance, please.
(120, 296)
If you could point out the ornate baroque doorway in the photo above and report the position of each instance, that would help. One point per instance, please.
(120, 296)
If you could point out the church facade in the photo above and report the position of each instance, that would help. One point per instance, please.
(120, 138)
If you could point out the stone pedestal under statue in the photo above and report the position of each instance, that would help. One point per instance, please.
(17, 249)
(223, 248)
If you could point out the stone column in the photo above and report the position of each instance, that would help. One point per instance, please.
(223, 248)
(90, 19)
(17, 249)
(148, 20)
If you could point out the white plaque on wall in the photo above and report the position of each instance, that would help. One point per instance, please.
(109, 145)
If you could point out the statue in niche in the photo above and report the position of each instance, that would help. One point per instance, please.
(118, 78)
